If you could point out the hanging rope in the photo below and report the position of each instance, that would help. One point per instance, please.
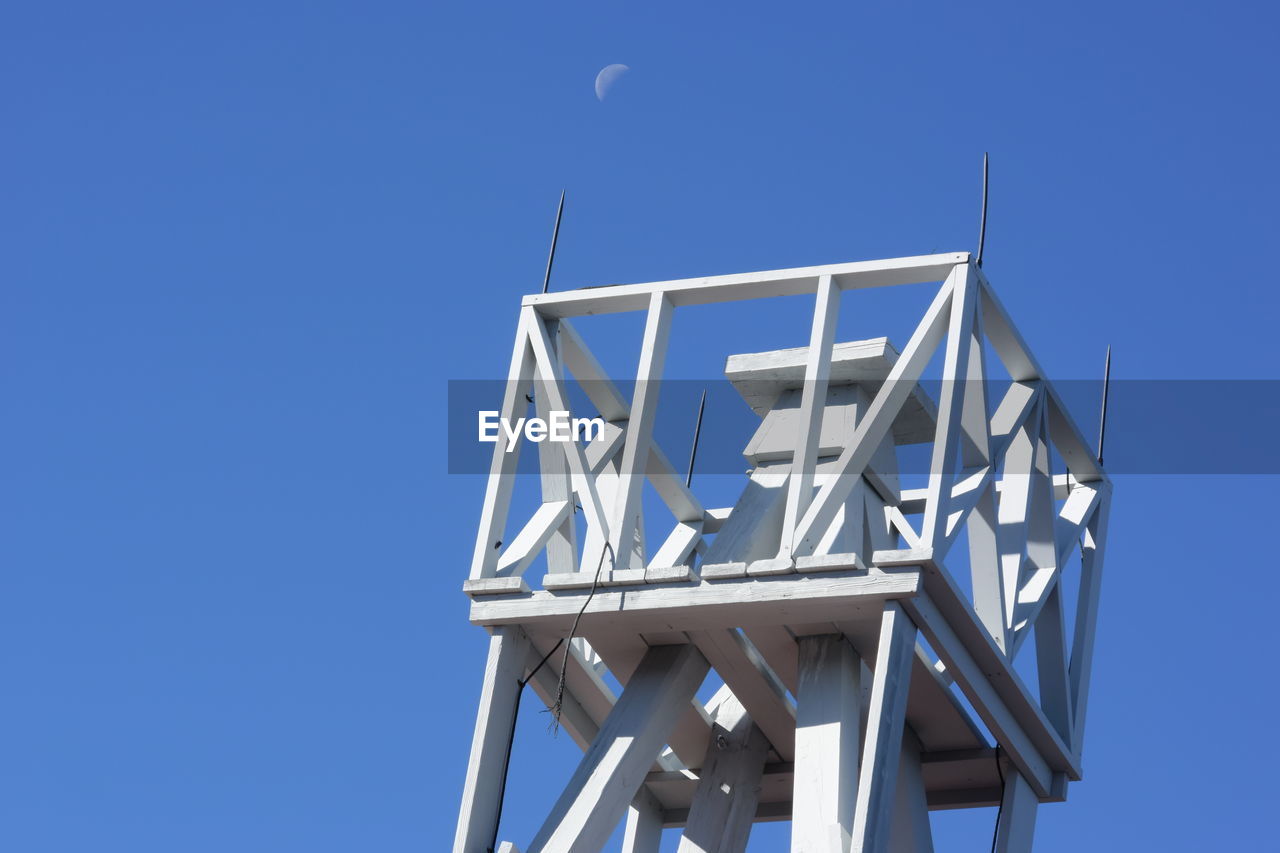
(556, 708)
(511, 739)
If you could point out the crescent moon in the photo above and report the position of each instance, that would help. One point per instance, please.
(607, 77)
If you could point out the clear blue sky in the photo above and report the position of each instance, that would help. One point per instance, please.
(247, 244)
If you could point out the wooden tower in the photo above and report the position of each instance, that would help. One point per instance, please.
(865, 681)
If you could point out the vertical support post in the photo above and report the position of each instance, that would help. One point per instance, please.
(1087, 613)
(882, 750)
(502, 468)
(644, 410)
(911, 832)
(481, 791)
(630, 740)
(643, 833)
(562, 547)
(724, 803)
(813, 400)
(951, 406)
(1017, 826)
(826, 768)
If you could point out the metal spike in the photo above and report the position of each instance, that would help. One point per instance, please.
(1106, 388)
(697, 431)
(982, 227)
(555, 235)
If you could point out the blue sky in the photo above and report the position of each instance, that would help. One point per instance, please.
(247, 246)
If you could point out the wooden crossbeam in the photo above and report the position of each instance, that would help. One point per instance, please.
(882, 746)
(613, 407)
(613, 768)
(754, 684)
(741, 286)
(502, 467)
(828, 707)
(813, 399)
(724, 803)
(879, 418)
(639, 439)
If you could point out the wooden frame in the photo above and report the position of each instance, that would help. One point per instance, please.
(819, 579)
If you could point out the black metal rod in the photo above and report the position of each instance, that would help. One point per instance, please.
(555, 235)
(1106, 390)
(697, 431)
(982, 226)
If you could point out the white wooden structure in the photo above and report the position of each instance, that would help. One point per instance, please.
(826, 598)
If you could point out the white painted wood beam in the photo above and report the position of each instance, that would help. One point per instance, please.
(584, 484)
(754, 684)
(644, 411)
(1086, 624)
(679, 545)
(1022, 367)
(826, 767)
(813, 399)
(882, 748)
(980, 690)
(946, 440)
(741, 286)
(535, 535)
(604, 394)
(1016, 829)
(879, 418)
(481, 789)
(727, 603)
(724, 803)
(562, 543)
(911, 831)
(613, 768)
(643, 833)
(502, 467)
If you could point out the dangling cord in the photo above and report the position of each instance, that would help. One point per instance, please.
(568, 646)
(1000, 810)
(511, 739)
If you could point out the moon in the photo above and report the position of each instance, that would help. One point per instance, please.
(607, 77)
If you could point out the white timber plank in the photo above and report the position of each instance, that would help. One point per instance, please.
(879, 418)
(622, 653)
(605, 396)
(1016, 829)
(644, 411)
(1052, 674)
(828, 708)
(741, 286)
(753, 683)
(813, 398)
(535, 535)
(562, 543)
(1022, 367)
(946, 440)
(724, 803)
(980, 691)
(1082, 641)
(886, 717)
(726, 603)
(481, 788)
(679, 545)
(643, 833)
(911, 832)
(613, 768)
(502, 467)
(778, 647)
(584, 484)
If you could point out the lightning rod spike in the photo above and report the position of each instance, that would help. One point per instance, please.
(697, 431)
(555, 235)
(982, 226)
(1106, 389)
